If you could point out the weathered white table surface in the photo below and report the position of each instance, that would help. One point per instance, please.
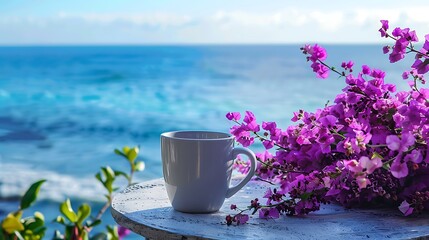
(145, 209)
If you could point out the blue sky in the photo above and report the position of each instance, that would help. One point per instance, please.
(35, 22)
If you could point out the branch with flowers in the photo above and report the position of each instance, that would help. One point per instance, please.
(369, 147)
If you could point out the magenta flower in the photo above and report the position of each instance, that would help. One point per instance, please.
(422, 67)
(366, 70)
(395, 144)
(249, 117)
(241, 218)
(415, 156)
(370, 165)
(384, 27)
(398, 169)
(369, 145)
(233, 116)
(362, 182)
(318, 53)
(268, 144)
(405, 208)
(123, 232)
(328, 121)
(320, 70)
(271, 213)
(386, 49)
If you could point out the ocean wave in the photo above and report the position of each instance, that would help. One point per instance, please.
(16, 178)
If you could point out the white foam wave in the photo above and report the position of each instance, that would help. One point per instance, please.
(16, 178)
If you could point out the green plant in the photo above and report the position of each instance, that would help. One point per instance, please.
(77, 225)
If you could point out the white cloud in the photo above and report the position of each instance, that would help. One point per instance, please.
(289, 25)
(153, 19)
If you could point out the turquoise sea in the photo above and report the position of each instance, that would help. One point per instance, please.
(64, 109)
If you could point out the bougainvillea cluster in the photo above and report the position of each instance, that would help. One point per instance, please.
(369, 147)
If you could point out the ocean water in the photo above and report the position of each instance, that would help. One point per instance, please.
(64, 109)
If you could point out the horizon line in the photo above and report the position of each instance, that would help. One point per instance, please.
(179, 44)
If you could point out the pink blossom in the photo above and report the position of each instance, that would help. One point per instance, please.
(362, 182)
(398, 169)
(370, 164)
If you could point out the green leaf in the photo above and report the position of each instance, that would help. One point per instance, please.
(40, 231)
(376, 155)
(39, 215)
(11, 224)
(60, 220)
(98, 176)
(386, 166)
(139, 166)
(305, 196)
(31, 194)
(112, 233)
(93, 224)
(83, 212)
(57, 235)
(67, 211)
(35, 225)
(99, 236)
(118, 152)
(108, 172)
(125, 150)
(132, 154)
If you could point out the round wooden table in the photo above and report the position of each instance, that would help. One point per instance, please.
(145, 209)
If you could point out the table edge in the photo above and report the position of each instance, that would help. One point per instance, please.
(147, 231)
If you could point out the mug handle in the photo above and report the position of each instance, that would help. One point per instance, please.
(235, 152)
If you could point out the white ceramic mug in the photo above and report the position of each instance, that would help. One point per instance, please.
(197, 167)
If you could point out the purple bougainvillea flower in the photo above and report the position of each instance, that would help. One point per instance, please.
(422, 67)
(233, 116)
(268, 144)
(395, 144)
(253, 126)
(362, 182)
(318, 53)
(353, 165)
(398, 169)
(241, 218)
(370, 164)
(384, 28)
(366, 70)
(271, 213)
(405, 208)
(397, 32)
(415, 156)
(386, 49)
(249, 117)
(123, 232)
(369, 143)
(328, 121)
(321, 70)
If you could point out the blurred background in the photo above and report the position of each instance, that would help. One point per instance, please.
(80, 78)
